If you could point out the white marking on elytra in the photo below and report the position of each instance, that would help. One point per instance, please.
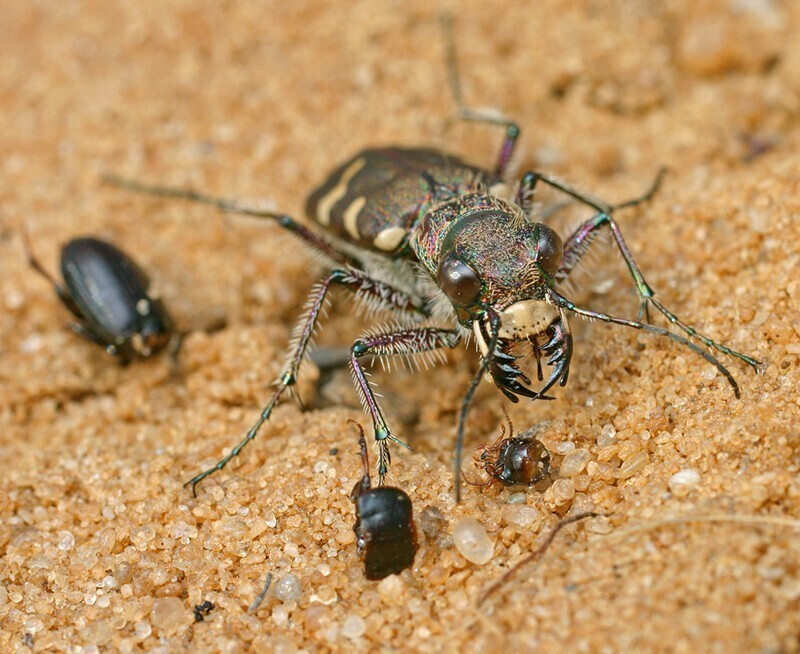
(327, 201)
(389, 238)
(143, 307)
(500, 190)
(350, 216)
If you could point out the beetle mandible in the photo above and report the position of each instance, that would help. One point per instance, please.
(455, 251)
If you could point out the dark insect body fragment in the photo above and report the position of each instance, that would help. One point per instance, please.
(111, 299)
(202, 610)
(385, 532)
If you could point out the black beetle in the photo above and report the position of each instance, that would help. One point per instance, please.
(111, 298)
(385, 531)
(202, 610)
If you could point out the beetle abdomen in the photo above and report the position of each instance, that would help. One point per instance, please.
(374, 199)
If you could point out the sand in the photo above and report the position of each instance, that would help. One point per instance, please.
(103, 549)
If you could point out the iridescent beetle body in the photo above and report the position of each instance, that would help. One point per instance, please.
(374, 199)
(446, 246)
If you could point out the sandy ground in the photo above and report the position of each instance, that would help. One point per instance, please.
(102, 549)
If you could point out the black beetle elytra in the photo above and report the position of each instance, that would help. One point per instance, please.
(110, 297)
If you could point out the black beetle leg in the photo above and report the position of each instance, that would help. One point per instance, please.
(61, 292)
(404, 342)
(354, 280)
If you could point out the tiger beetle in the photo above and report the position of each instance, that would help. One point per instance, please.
(453, 250)
(111, 298)
(385, 533)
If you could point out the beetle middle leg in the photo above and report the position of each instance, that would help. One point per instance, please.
(527, 186)
(579, 242)
(414, 340)
(353, 280)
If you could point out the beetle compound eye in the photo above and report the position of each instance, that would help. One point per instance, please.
(550, 250)
(459, 282)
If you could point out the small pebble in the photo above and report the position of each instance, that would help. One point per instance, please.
(472, 541)
(280, 615)
(633, 465)
(563, 490)
(288, 588)
(565, 447)
(169, 613)
(607, 436)
(392, 589)
(431, 521)
(574, 463)
(520, 515)
(66, 541)
(34, 625)
(353, 627)
(683, 482)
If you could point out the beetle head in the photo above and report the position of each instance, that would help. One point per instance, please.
(492, 260)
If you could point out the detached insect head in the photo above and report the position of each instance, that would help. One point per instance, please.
(513, 460)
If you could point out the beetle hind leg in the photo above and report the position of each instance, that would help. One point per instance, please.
(476, 115)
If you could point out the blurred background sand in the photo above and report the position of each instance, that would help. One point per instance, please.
(102, 549)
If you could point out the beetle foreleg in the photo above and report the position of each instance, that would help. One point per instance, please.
(577, 245)
(561, 301)
(354, 280)
(408, 341)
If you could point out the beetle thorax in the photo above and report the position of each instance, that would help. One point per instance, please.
(491, 235)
